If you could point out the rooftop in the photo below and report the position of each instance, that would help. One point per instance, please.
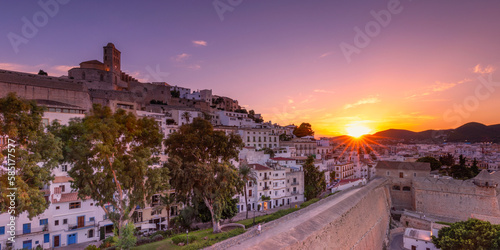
(401, 165)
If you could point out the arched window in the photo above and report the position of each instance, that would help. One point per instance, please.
(396, 187)
(83, 75)
(406, 188)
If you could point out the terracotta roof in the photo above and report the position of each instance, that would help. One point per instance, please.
(401, 165)
(259, 167)
(62, 179)
(282, 159)
(346, 181)
(68, 197)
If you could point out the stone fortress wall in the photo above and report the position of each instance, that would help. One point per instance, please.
(360, 221)
(454, 198)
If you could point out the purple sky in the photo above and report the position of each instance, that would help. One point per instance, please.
(284, 58)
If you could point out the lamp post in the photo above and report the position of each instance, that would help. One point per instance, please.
(254, 216)
(187, 237)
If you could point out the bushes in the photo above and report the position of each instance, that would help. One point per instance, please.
(309, 202)
(165, 234)
(182, 238)
(92, 247)
(143, 240)
(157, 237)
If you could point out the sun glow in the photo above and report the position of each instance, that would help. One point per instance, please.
(356, 130)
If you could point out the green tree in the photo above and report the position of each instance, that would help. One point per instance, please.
(251, 114)
(447, 160)
(175, 93)
(42, 73)
(112, 154)
(200, 165)
(474, 168)
(228, 212)
(269, 151)
(462, 172)
(304, 129)
(332, 176)
(247, 175)
(470, 234)
(127, 239)
(314, 180)
(435, 164)
(33, 154)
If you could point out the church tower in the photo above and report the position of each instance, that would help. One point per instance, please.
(112, 58)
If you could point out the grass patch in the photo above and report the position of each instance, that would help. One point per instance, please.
(199, 242)
(309, 202)
(443, 223)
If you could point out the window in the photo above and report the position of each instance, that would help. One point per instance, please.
(401, 175)
(45, 122)
(2, 230)
(396, 187)
(65, 221)
(57, 208)
(74, 205)
(388, 173)
(155, 200)
(250, 193)
(64, 168)
(406, 188)
(91, 219)
(46, 238)
(56, 223)
(91, 233)
(62, 188)
(44, 222)
(414, 174)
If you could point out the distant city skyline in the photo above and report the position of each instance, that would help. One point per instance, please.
(338, 65)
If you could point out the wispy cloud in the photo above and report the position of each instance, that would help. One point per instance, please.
(194, 66)
(180, 58)
(486, 70)
(326, 54)
(323, 91)
(199, 43)
(369, 100)
(438, 87)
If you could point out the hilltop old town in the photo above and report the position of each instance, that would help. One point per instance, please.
(117, 158)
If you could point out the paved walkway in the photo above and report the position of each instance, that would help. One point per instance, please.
(283, 227)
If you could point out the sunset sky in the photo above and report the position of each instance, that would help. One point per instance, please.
(426, 64)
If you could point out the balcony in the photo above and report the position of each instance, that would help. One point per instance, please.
(295, 184)
(33, 230)
(266, 187)
(265, 178)
(294, 193)
(82, 225)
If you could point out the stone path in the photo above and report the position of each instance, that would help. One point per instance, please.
(274, 232)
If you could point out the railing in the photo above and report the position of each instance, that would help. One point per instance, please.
(85, 224)
(33, 230)
(266, 188)
(266, 178)
(294, 192)
(295, 183)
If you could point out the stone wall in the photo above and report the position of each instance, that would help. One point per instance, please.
(359, 221)
(46, 88)
(454, 198)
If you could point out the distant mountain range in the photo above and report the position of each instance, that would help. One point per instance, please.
(470, 132)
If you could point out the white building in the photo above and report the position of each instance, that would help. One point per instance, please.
(416, 239)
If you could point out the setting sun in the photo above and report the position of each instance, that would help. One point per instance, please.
(356, 130)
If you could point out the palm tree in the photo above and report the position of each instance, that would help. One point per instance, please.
(166, 202)
(247, 175)
(186, 115)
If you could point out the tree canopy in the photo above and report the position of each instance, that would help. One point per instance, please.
(470, 234)
(435, 164)
(462, 172)
(304, 129)
(200, 166)
(112, 155)
(447, 160)
(33, 154)
(314, 180)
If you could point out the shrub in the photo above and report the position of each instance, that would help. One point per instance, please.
(157, 237)
(92, 247)
(143, 240)
(182, 238)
